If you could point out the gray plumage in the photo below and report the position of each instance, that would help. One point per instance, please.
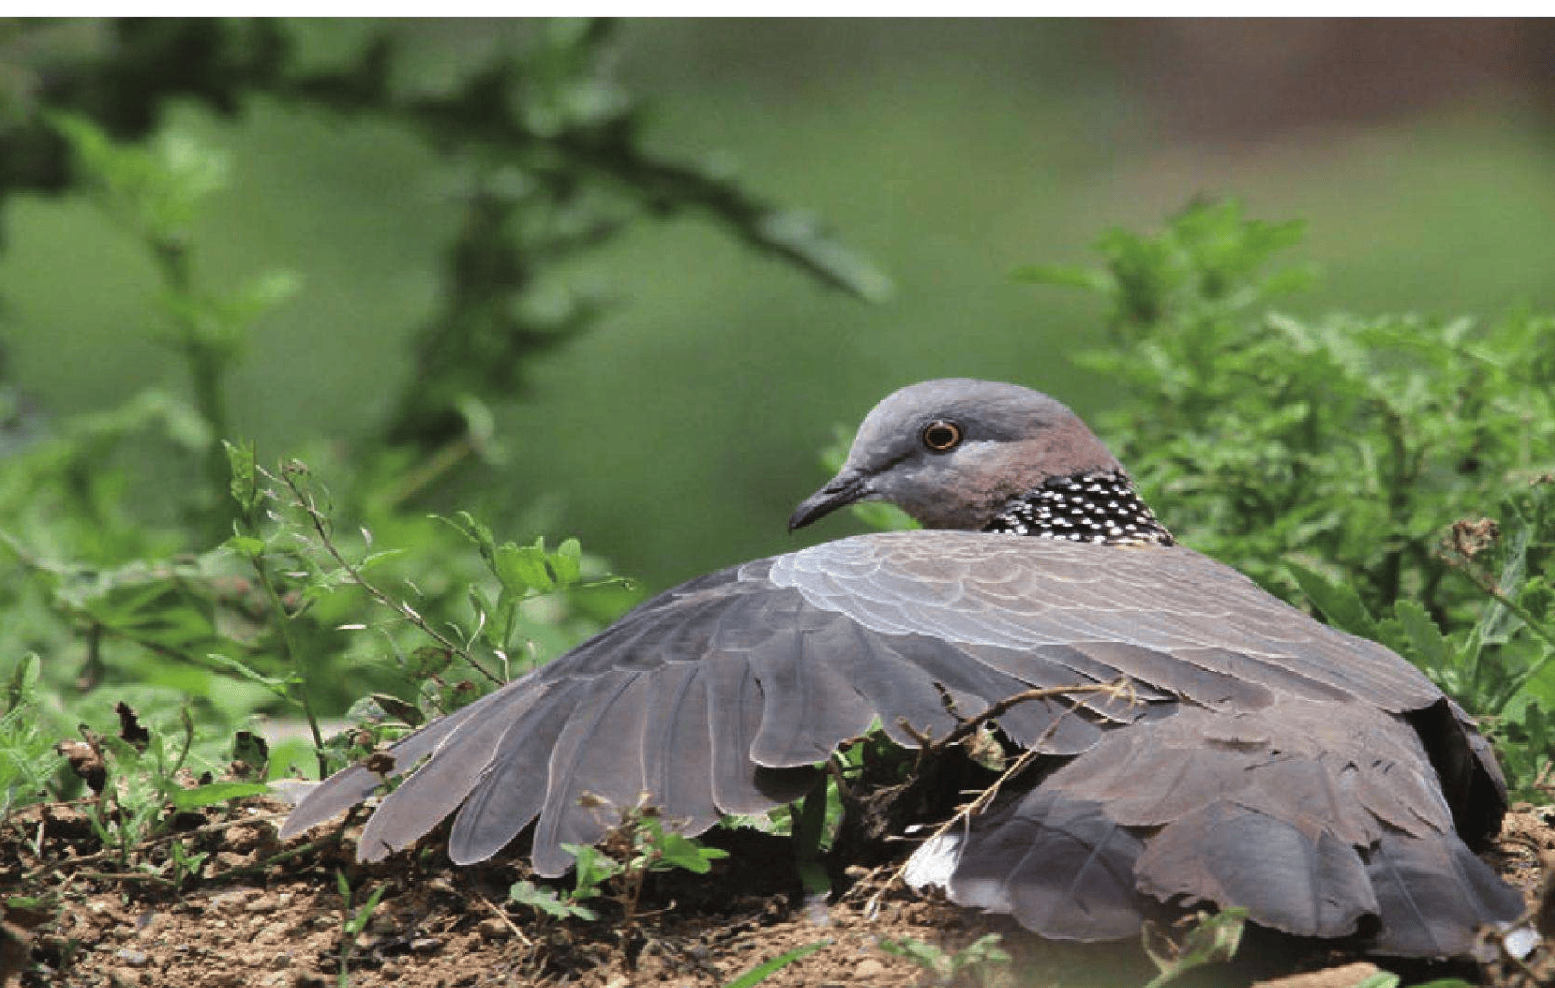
(1267, 760)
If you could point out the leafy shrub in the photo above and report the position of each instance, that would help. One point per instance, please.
(1392, 470)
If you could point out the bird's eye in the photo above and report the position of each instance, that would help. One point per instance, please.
(941, 435)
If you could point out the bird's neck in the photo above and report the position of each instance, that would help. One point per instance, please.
(1087, 507)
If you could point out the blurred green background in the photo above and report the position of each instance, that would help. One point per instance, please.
(678, 432)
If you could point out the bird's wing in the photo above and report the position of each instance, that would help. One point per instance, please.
(1163, 615)
(717, 696)
(1310, 814)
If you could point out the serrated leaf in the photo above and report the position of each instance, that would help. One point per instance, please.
(245, 479)
(1429, 643)
(1338, 602)
(24, 679)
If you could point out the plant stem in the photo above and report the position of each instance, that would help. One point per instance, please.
(207, 360)
(290, 653)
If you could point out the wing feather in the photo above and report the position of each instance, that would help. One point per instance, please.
(1270, 761)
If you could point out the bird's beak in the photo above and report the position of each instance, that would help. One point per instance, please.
(843, 489)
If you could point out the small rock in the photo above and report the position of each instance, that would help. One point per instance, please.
(134, 958)
(280, 962)
(231, 902)
(1332, 977)
(868, 968)
(426, 945)
(493, 929)
(264, 904)
(231, 861)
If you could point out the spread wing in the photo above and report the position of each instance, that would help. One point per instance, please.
(719, 696)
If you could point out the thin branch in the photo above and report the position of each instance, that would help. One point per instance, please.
(321, 527)
(1117, 688)
(1121, 687)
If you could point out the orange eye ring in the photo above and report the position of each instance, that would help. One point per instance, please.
(941, 436)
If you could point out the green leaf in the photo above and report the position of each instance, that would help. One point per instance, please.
(1214, 940)
(548, 902)
(766, 969)
(279, 685)
(678, 851)
(215, 792)
(245, 475)
(246, 546)
(471, 528)
(1088, 279)
(567, 562)
(593, 867)
(1338, 602)
(24, 679)
(358, 921)
(1429, 643)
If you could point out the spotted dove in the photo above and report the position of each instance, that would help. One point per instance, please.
(1263, 759)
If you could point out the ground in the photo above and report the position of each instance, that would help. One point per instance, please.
(265, 914)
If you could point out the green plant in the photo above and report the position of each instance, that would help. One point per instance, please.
(155, 193)
(1348, 460)
(766, 969)
(547, 901)
(971, 961)
(640, 846)
(353, 920)
(27, 756)
(117, 527)
(1210, 939)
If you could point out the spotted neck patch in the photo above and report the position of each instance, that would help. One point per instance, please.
(1087, 507)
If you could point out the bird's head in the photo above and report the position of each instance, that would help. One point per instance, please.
(952, 452)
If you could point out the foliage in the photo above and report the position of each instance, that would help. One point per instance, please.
(766, 969)
(549, 902)
(1349, 444)
(1211, 939)
(967, 964)
(1360, 462)
(545, 157)
(353, 920)
(27, 757)
(148, 539)
(640, 846)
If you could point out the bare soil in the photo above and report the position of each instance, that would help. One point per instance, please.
(263, 914)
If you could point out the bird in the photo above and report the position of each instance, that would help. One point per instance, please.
(1260, 758)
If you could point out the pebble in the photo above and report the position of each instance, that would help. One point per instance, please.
(868, 968)
(493, 929)
(134, 958)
